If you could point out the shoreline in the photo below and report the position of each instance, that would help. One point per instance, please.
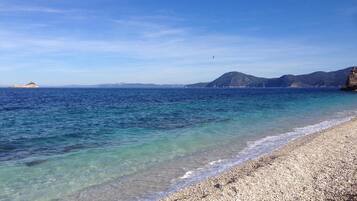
(301, 169)
(113, 189)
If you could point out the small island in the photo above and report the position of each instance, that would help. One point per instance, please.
(29, 85)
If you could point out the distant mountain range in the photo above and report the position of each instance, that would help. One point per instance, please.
(126, 85)
(240, 80)
(313, 80)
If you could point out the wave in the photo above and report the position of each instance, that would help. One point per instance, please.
(253, 150)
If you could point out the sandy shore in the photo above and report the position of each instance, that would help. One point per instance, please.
(321, 166)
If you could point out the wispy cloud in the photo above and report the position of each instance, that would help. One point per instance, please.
(152, 26)
(142, 45)
(12, 8)
(176, 51)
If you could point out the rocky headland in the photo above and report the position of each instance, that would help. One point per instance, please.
(351, 83)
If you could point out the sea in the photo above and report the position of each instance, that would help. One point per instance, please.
(142, 144)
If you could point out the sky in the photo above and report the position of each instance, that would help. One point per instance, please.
(61, 42)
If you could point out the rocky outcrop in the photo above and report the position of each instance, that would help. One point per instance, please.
(352, 80)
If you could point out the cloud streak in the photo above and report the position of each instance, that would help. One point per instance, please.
(180, 49)
(11, 8)
(145, 45)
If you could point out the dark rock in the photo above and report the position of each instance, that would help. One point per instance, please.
(351, 83)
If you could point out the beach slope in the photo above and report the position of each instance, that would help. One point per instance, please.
(321, 166)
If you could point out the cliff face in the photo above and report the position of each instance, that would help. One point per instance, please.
(352, 80)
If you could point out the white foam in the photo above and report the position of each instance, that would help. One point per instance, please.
(270, 143)
(281, 139)
(256, 149)
(215, 162)
(188, 174)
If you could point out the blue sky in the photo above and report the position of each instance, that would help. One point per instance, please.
(57, 42)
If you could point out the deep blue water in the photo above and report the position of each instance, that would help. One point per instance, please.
(139, 127)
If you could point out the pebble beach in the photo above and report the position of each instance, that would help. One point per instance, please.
(321, 166)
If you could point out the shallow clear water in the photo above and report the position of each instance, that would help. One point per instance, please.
(56, 143)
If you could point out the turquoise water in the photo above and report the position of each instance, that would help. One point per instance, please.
(134, 144)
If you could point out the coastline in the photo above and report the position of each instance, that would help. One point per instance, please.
(160, 158)
(159, 189)
(318, 166)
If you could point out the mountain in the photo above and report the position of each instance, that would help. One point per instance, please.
(235, 79)
(317, 79)
(126, 85)
(197, 85)
(139, 85)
